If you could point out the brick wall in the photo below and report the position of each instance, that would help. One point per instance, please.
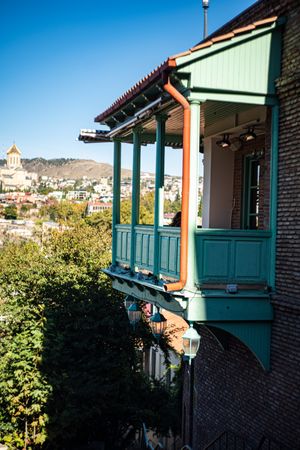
(231, 391)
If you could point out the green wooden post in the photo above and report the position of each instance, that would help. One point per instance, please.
(274, 190)
(135, 208)
(116, 198)
(193, 197)
(159, 186)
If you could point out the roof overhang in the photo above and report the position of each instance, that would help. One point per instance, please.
(242, 67)
(92, 136)
(238, 67)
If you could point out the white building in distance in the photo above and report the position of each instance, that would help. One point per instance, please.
(12, 175)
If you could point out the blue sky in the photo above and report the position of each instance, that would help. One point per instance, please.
(63, 62)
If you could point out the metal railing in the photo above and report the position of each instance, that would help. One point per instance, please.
(228, 441)
(267, 443)
(147, 443)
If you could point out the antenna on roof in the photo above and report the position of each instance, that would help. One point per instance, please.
(205, 5)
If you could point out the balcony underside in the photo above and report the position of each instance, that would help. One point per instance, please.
(246, 315)
(223, 257)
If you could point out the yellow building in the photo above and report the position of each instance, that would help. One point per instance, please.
(12, 175)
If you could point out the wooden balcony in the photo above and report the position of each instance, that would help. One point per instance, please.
(222, 256)
(224, 259)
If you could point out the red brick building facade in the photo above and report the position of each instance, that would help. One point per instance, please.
(227, 390)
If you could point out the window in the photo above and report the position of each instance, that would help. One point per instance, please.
(251, 193)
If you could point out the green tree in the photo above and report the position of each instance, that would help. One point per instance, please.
(23, 388)
(200, 208)
(70, 372)
(24, 210)
(64, 212)
(101, 220)
(10, 212)
(173, 207)
(44, 190)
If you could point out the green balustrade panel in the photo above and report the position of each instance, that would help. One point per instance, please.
(123, 236)
(222, 256)
(233, 256)
(169, 251)
(144, 247)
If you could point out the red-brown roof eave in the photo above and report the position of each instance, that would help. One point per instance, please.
(170, 64)
(155, 75)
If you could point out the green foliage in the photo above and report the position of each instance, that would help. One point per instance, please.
(172, 207)
(200, 208)
(64, 212)
(10, 212)
(147, 209)
(89, 354)
(23, 389)
(44, 190)
(70, 371)
(103, 219)
(24, 210)
(165, 406)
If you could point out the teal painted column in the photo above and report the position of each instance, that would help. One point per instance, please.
(159, 186)
(193, 203)
(135, 208)
(274, 192)
(116, 198)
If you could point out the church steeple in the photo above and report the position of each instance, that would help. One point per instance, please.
(13, 157)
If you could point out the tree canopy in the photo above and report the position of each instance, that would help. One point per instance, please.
(10, 212)
(104, 219)
(70, 370)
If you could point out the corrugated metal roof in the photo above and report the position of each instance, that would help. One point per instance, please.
(86, 135)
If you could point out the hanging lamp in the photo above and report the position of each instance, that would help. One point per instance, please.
(191, 342)
(134, 313)
(158, 324)
(224, 142)
(248, 136)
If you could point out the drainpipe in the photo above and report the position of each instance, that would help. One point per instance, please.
(178, 97)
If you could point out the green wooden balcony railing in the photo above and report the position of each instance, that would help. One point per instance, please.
(233, 256)
(222, 256)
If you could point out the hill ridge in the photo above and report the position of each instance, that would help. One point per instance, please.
(69, 168)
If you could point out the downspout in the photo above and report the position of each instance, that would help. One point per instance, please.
(178, 97)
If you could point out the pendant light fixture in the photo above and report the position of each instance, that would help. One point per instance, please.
(134, 313)
(248, 136)
(158, 324)
(224, 142)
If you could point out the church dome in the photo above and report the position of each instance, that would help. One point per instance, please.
(13, 149)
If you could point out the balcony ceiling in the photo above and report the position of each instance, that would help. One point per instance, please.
(216, 118)
(212, 112)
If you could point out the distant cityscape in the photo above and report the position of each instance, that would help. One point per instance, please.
(27, 193)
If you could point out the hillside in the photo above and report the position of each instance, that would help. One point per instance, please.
(69, 168)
